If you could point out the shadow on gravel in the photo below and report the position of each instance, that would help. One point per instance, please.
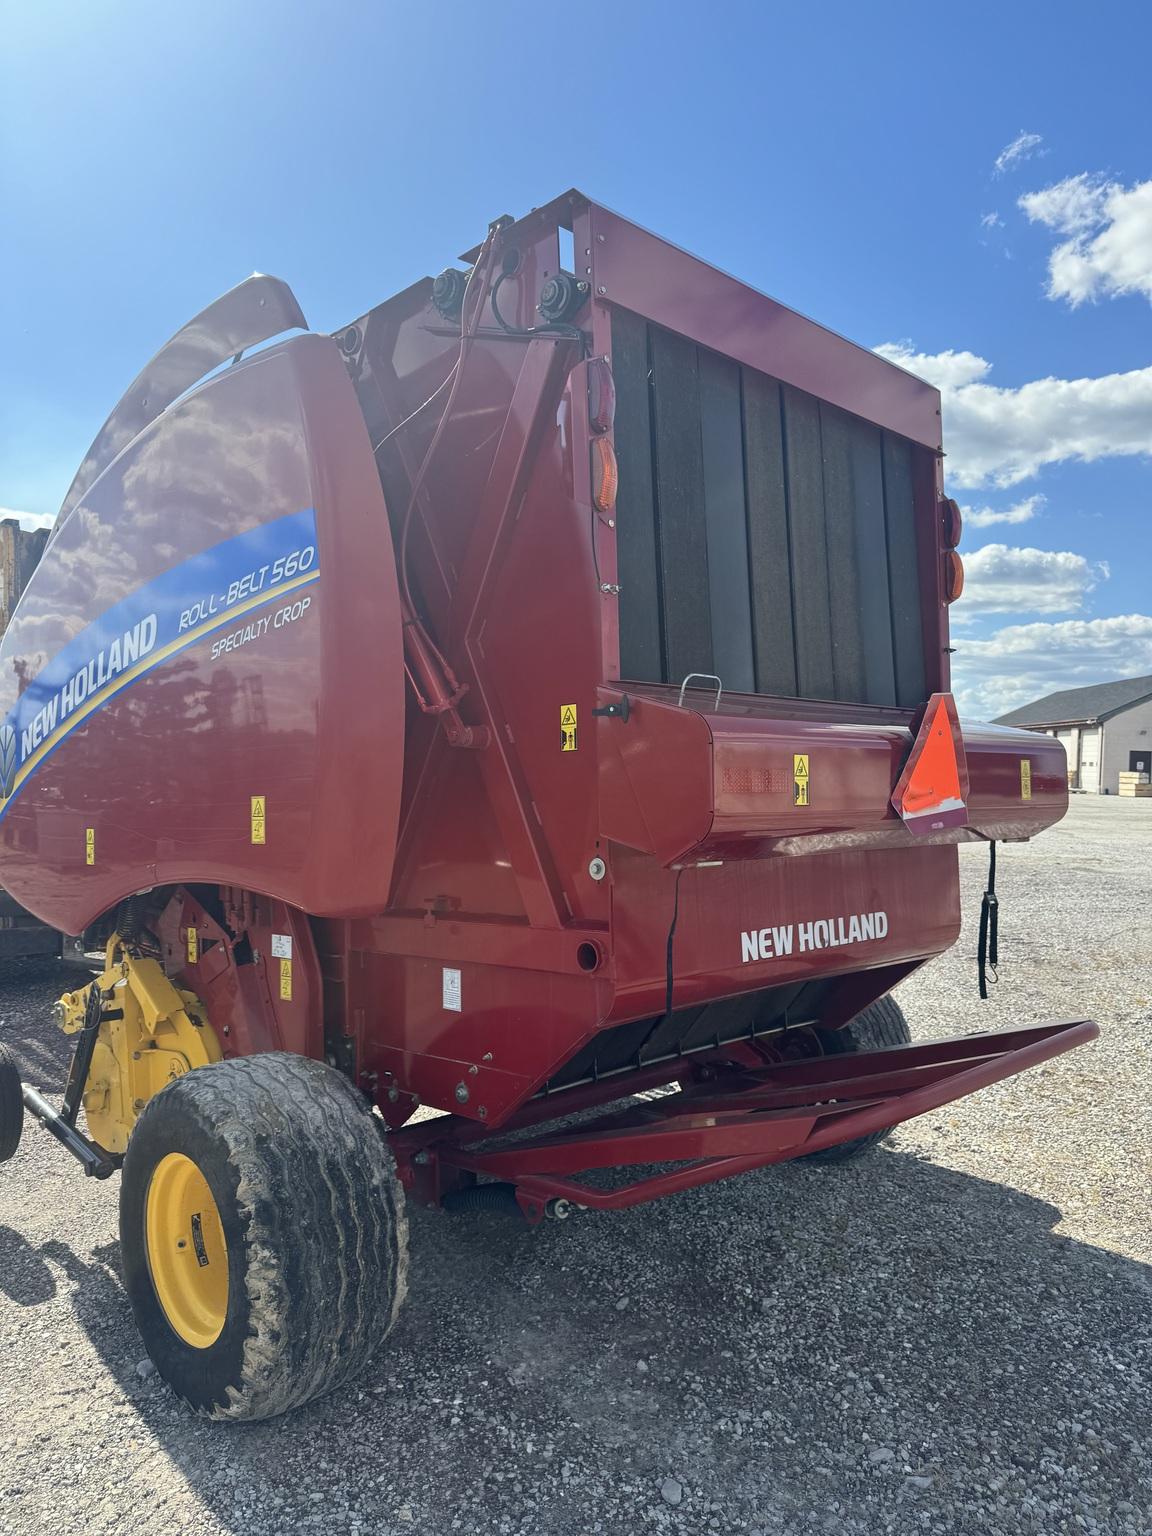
(786, 1323)
(24, 1276)
(756, 1341)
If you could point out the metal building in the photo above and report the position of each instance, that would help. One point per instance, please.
(1106, 730)
(20, 551)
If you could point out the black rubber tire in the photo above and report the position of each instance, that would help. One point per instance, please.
(11, 1105)
(880, 1026)
(314, 1224)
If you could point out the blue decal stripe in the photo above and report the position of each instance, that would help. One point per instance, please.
(156, 611)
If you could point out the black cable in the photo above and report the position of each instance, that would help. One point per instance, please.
(513, 330)
(987, 942)
(669, 971)
(668, 974)
(555, 328)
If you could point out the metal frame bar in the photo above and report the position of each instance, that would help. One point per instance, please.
(733, 1122)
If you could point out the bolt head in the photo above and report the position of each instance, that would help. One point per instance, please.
(597, 869)
(461, 1093)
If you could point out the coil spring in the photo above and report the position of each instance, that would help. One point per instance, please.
(483, 1197)
(130, 920)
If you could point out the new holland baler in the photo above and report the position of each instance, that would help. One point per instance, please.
(532, 694)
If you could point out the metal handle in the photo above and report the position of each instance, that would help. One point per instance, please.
(711, 677)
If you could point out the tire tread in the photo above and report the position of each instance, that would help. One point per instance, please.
(11, 1105)
(879, 1027)
(327, 1233)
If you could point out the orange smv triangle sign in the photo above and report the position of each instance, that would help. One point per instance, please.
(932, 791)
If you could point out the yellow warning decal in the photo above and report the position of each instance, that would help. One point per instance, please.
(567, 727)
(1025, 779)
(89, 845)
(286, 981)
(193, 946)
(800, 778)
(258, 818)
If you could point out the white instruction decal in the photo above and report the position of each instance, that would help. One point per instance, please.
(282, 946)
(451, 990)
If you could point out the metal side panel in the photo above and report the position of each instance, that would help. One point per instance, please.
(808, 540)
(641, 655)
(183, 690)
(772, 625)
(254, 311)
(844, 594)
(726, 529)
(903, 572)
(672, 771)
(680, 507)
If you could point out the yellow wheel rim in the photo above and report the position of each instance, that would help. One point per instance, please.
(187, 1256)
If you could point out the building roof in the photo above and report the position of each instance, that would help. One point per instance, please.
(1074, 706)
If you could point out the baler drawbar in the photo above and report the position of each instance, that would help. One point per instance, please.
(533, 695)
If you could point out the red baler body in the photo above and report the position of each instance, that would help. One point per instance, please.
(473, 924)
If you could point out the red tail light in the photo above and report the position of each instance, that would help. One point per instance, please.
(953, 576)
(605, 476)
(953, 524)
(601, 395)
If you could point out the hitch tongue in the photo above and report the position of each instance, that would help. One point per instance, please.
(96, 1164)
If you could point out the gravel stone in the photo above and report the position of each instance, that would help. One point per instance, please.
(975, 1295)
(671, 1491)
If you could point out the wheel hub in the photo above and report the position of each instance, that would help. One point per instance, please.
(187, 1254)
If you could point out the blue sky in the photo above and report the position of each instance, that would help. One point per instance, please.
(968, 188)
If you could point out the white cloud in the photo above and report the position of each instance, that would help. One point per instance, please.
(1023, 662)
(947, 370)
(1000, 436)
(984, 517)
(1022, 148)
(1070, 206)
(1108, 251)
(29, 520)
(991, 221)
(1002, 579)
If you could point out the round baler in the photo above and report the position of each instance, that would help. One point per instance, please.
(534, 694)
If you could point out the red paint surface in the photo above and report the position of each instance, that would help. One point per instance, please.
(310, 717)
(720, 1127)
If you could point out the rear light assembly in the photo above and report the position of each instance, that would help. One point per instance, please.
(953, 565)
(601, 415)
(601, 395)
(953, 524)
(605, 476)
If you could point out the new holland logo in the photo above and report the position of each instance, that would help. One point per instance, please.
(7, 760)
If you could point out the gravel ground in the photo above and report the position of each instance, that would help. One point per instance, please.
(950, 1336)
